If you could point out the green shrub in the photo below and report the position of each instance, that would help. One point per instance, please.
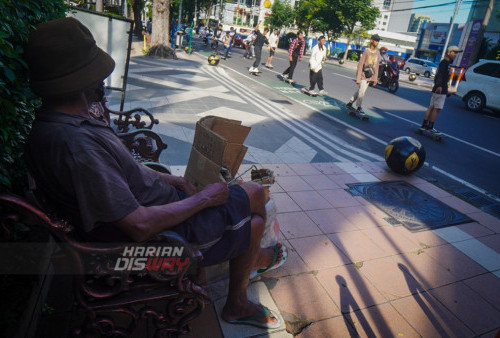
(17, 102)
(354, 57)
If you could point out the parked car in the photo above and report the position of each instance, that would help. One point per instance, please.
(350, 52)
(239, 40)
(479, 86)
(421, 67)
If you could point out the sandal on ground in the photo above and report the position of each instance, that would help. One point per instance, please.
(254, 319)
(273, 265)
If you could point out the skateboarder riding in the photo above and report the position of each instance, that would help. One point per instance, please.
(367, 72)
(295, 53)
(260, 40)
(440, 89)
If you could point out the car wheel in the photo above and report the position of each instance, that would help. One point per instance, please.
(427, 74)
(475, 101)
(407, 70)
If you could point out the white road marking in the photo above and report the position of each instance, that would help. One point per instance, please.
(290, 121)
(449, 136)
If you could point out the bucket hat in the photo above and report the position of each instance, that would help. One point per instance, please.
(453, 49)
(63, 58)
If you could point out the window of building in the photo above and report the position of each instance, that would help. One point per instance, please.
(386, 16)
(387, 3)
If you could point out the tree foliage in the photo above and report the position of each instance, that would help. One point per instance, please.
(282, 15)
(17, 102)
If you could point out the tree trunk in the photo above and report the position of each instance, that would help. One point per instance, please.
(347, 48)
(160, 46)
(137, 7)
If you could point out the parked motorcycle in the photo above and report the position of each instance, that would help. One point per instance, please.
(389, 77)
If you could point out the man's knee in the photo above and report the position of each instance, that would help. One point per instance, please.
(257, 197)
(258, 225)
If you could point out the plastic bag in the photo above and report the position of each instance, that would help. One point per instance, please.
(272, 230)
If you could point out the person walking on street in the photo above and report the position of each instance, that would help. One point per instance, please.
(273, 44)
(367, 72)
(318, 56)
(217, 37)
(226, 41)
(232, 32)
(295, 53)
(260, 40)
(440, 89)
(249, 45)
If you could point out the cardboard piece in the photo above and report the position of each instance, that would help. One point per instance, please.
(217, 142)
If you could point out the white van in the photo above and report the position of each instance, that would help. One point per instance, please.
(480, 86)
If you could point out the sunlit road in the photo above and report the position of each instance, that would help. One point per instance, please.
(469, 152)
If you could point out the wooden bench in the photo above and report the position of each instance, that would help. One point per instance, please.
(101, 290)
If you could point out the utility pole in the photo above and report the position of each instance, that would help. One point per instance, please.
(180, 13)
(452, 21)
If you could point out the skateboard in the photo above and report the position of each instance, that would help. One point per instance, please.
(305, 91)
(435, 136)
(289, 81)
(355, 113)
(256, 73)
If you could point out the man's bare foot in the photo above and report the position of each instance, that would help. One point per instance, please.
(266, 257)
(251, 314)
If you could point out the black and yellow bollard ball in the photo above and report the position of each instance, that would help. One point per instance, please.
(341, 61)
(412, 77)
(404, 155)
(213, 60)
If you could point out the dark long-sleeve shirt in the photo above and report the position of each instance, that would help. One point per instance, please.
(260, 40)
(442, 76)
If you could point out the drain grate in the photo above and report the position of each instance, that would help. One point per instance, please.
(480, 201)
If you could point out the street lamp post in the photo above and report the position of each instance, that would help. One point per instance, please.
(457, 6)
(180, 13)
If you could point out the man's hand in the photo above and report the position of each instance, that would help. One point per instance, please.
(439, 90)
(313, 69)
(186, 186)
(216, 193)
(358, 82)
(375, 83)
(291, 59)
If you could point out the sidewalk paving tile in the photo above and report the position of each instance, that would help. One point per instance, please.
(486, 220)
(320, 182)
(284, 203)
(481, 253)
(389, 278)
(363, 217)
(455, 261)
(309, 200)
(357, 246)
(488, 286)
(328, 168)
(459, 204)
(330, 221)
(304, 169)
(381, 321)
(318, 252)
(297, 224)
(304, 297)
(373, 167)
(339, 198)
(492, 242)
(279, 169)
(429, 317)
(349, 289)
(392, 240)
(328, 328)
(293, 183)
(427, 238)
(432, 190)
(342, 179)
(351, 168)
(425, 270)
(453, 234)
(475, 229)
(466, 304)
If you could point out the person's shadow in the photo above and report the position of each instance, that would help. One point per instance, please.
(347, 302)
(419, 294)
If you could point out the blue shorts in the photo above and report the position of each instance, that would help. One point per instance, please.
(220, 233)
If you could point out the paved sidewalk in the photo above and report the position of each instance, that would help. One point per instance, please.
(349, 271)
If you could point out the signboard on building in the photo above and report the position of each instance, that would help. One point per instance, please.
(473, 31)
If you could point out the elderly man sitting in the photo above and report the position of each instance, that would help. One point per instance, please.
(92, 179)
